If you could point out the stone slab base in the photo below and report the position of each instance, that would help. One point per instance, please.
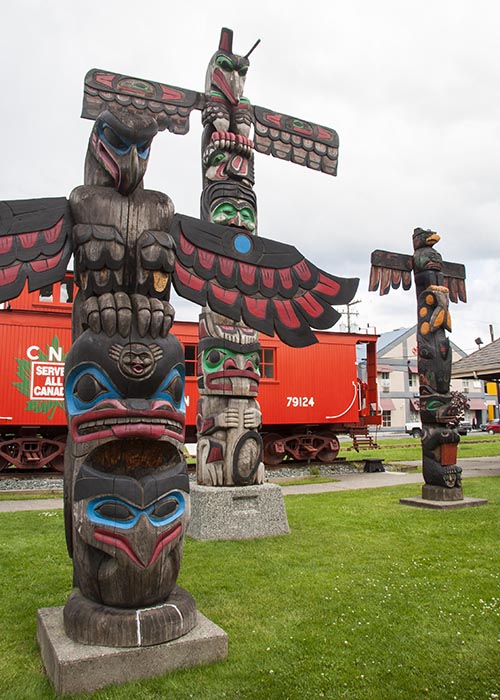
(237, 512)
(79, 668)
(466, 502)
(431, 492)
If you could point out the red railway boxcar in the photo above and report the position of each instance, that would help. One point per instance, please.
(35, 336)
(307, 395)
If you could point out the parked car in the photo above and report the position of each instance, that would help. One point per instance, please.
(493, 426)
(415, 429)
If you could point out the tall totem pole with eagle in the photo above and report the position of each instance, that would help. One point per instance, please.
(437, 282)
(127, 501)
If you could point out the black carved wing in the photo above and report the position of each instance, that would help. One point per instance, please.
(169, 105)
(389, 270)
(270, 285)
(35, 244)
(296, 140)
(454, 279)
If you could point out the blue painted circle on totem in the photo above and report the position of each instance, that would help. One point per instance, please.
(242, 244)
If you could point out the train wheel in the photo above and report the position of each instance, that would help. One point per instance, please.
(48, 447)
(3, 463)
(271, 456)
(328, 454)
(58, 462)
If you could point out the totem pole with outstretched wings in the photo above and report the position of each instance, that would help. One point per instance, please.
(244, 282)
(126, 487)
(437, 282)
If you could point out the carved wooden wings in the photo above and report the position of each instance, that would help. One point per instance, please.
(395, 269)
(276, 134)
(35, 244)
(269, 285)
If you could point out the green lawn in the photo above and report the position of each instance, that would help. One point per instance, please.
(408, 448)
(366, 599)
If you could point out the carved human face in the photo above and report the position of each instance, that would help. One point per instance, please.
(129, 534)
(234, 213)
(228, 368)
(133, 389)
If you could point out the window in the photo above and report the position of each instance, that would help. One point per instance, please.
(386, 419)
(66, 291)
(385, 382)
(59, 293)
(268, 363)
(466, 385)
(413, 380)
(46, 294)
(190, 358)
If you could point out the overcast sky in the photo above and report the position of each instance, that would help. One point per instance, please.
(411, 88)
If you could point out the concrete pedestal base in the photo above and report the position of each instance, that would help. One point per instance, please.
(79, 668)
(441, 498)
(237, 512)
(466, 502)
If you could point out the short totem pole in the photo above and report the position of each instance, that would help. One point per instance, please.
(436, 283)
(127, 501)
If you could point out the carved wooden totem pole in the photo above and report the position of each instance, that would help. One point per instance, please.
(126, 484)
(229, 447)
(126, 487)
(436, 283)
(264, 293)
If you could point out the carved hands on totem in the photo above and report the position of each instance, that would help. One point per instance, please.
(116, 313)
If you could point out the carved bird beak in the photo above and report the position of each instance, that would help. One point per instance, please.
(130, 174)
(434, 238)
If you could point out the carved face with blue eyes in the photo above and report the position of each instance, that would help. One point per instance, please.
(116, 399)
(129, 534)
(121, 144)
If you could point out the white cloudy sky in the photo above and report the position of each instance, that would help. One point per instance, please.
(411, 88)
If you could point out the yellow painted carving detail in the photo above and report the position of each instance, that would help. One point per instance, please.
(160, 280)
(438, 319)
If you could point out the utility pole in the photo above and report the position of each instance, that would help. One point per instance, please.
(350, 313)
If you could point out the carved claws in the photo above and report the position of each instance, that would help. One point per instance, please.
(115, 313)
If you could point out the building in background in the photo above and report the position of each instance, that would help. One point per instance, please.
(398, 381)
(484, 364)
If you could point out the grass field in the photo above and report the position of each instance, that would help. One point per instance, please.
(365, 599)
(408, 449)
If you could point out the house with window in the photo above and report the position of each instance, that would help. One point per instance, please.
(398, 383)
(483, 364)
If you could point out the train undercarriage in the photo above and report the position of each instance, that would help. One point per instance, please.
(322, 445)
(29, 450)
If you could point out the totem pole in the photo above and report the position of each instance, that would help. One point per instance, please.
(436, 283)
(229, 450)
(126, 483)
(127, 502)
(229, 446)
